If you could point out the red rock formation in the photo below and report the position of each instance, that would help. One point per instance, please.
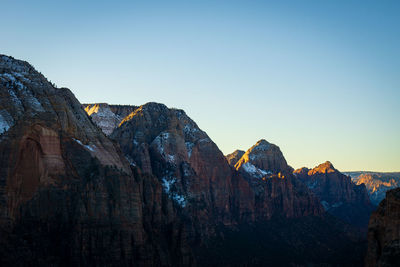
(265, 156)
(69, 196)
(277, 191)
(384, 232)
(337, 193)
(377, 184)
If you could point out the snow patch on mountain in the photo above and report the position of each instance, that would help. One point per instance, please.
(6, 121)
(160, 141)
(254, 171)
(91, 148)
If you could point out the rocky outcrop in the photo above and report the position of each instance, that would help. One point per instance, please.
(107, 117)
(337, 193)
(192, 170)
(384, 232)
(265, 156)
(234, 157)
(67, 194)
(377, 184)
(265, 168)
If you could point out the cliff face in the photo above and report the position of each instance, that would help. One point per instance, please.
(384, 232)
(377, 184)
(337, 193)
(265, 156)
(192, 180)
(107, 117)
(234, 157)
(67, 194)
(157, 193)
(275, 187)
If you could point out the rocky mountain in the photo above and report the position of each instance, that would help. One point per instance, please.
(102, 185)
(384, 232)
(214, 198)
(377, 183)
(265, 168)
(67, 194)
(337, 193)
(108, 117)
(234, 157)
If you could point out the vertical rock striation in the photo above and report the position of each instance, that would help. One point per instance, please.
(384, 232)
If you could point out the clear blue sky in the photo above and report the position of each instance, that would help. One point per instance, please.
(321, 79)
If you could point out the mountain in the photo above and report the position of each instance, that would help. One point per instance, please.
(234, 157)
(214, 199)
(339, 196)
(108, 117)
(101, 184)
(377, 183)
(265, 168)
(67, 193)
(384, 232)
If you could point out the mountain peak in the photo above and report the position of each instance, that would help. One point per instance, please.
(264, 157)
(262, 145)
(326, 167)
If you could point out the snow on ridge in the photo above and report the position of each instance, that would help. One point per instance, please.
(254, 171)
(13, 64)
(167, 184)
(160, 141)
(189, 147)
(29, 97)
(6, 121)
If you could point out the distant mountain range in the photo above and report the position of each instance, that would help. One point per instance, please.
(377, 183)
(119, 185)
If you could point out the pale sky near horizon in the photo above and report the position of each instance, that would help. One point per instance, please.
(321, 79)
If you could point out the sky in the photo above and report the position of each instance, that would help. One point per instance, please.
(320, 79)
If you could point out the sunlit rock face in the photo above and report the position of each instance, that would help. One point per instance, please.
(377, 184)
(152, 196)
(67, 194)
(192, 170)
(107, 117)
(276, 189)
(337, 193)
(234, 157)
(265, 156)
(384, 232)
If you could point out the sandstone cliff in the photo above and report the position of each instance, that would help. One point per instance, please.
(68, 196)
(377, 183)
(337, 193)
(384, 232)
(159, 193)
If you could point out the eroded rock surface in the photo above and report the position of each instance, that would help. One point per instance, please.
(384, 232)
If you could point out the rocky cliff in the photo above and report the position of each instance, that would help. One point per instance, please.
(337, 193)
(265, 168)
(68, 196)
(156, 192)
(234, 157)
(384, 232)
(377, 183)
